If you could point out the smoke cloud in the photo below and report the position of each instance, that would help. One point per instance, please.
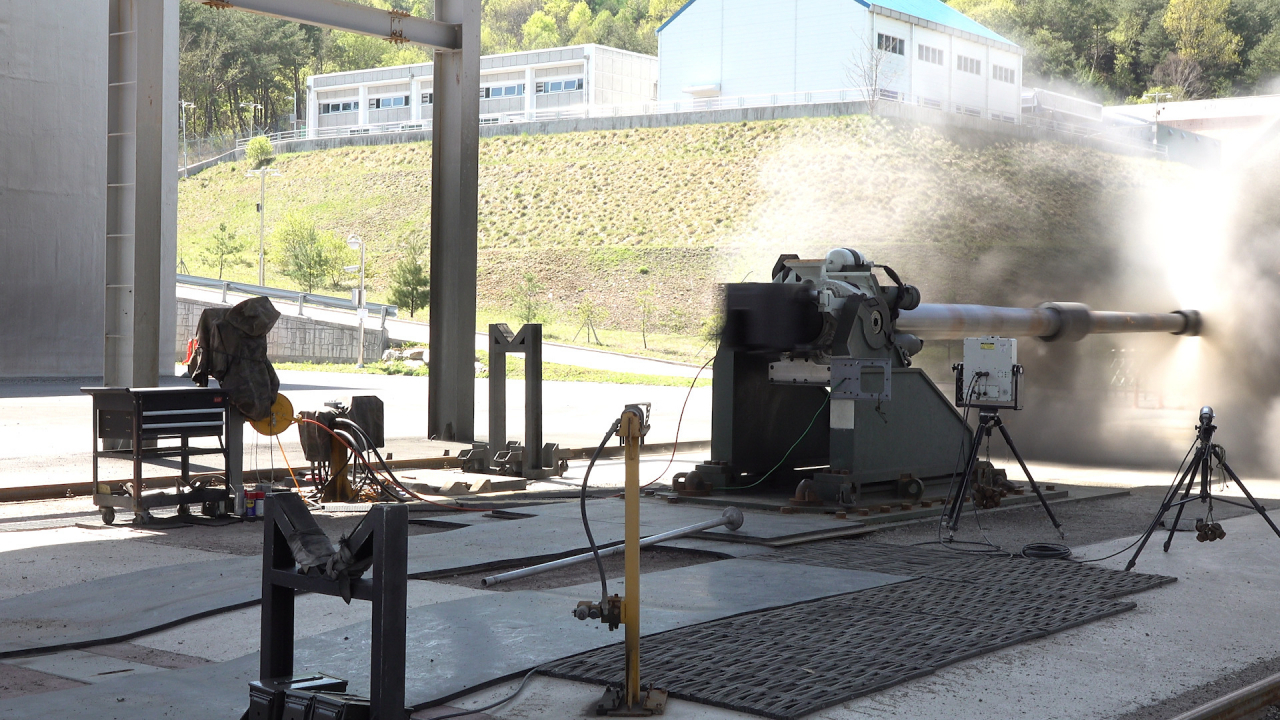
(1016, 224)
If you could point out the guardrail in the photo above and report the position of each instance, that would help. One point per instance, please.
(302, 298)
(576, 112)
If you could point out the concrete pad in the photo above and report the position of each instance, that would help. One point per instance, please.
(37, 560)
(210, 638)
(82, 666)
(18, 681)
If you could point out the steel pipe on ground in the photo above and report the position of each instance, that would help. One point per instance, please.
(730, 518)
(1050, 321)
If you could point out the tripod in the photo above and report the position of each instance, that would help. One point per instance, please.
(1206, 452)
(989, 420)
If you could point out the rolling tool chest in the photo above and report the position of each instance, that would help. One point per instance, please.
(146, 425)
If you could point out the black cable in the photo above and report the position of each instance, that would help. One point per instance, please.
(1046, 551)
(787, 454)
(491, 706)
(586, 525)
(1151, 526)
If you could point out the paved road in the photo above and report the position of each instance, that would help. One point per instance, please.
(412, 331)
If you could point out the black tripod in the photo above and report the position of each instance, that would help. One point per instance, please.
(1206, 453)
(988, 420)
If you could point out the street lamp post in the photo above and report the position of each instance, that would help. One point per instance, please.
(354, 241)
(185, 162)
(262, 174)
(252, 119)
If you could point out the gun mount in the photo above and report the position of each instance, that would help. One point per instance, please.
(826, 346)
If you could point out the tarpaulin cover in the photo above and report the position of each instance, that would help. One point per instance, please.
(232, 349)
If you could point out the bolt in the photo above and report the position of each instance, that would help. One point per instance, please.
(841, 515)
(785, 510)
(864, 511)
(1051, 488)
(886, 508)
(906, 506)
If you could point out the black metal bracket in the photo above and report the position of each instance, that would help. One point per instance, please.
(298, 556)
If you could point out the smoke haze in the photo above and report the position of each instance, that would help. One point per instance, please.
(1017, 224)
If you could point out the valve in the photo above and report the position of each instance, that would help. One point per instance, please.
(610, 613)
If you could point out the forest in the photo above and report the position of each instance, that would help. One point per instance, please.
(244, 73)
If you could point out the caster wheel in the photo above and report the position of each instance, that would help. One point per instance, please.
(184, 510)
(108, 515)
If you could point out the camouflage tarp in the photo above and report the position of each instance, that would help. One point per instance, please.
(232, 349)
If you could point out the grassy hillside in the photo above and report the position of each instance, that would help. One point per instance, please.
(610, 215)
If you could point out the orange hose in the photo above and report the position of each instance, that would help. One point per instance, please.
(286, 464)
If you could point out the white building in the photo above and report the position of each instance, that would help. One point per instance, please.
(512, 86)
(933, 55)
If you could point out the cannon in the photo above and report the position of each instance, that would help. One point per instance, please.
(814, 379)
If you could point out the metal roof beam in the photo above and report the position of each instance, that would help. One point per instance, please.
(392, 26)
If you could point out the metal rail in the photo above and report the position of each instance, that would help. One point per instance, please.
(281, 294)
(1240, 704)
(1050, 321)
(730, 518)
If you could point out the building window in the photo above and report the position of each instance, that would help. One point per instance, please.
(389, 102)
(969, 110)
(503, 91)
(968, 64)
(930, 103)
(326, 108)
(1003, 74)
(428, 98)
(558, 86)
(889, 43)
(929, 54)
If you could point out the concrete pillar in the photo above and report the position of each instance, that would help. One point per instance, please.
(362, 118)
(530, 99)
(142, 192)
(313, 110)
(455, 148)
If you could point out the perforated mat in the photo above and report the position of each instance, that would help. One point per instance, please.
(789, 662)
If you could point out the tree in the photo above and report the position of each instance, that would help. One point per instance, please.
(540, 31)
(868, 70)
(410, 283)
(1264, 60)
(527, 298)
(1180, 76)
(225, 250)
(1200, 30)
(589, 311)
(259, 152)
(305, 254)
(647, 306)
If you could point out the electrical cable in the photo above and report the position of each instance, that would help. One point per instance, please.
(503, 701)
(680, 422)
(1151, 526)
(582, 503)
(432, 502)
(1046, 551)
(787, 454)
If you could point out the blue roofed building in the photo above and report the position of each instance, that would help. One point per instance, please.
(922, 52)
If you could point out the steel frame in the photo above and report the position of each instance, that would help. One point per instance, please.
(383, 536)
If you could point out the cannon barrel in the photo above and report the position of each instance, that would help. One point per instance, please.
(1050, 321)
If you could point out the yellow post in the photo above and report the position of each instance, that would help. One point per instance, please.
(630, 431)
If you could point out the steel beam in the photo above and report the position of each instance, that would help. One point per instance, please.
(455, 149)
(362, 19)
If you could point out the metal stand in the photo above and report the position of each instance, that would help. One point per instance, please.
(988, 420)
(298, 556)
(629, 700)
(1206, 452)
(533, 460)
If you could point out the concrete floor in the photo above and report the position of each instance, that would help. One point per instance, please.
(1109, 669)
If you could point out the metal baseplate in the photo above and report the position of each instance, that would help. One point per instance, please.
(613, 703)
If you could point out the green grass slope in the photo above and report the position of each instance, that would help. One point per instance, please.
(609, 215)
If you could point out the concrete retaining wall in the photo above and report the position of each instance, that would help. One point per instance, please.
(295, 338)
(972, 128)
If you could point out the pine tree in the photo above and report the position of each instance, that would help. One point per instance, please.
(410, 283)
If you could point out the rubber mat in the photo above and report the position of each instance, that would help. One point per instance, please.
(790, 662)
